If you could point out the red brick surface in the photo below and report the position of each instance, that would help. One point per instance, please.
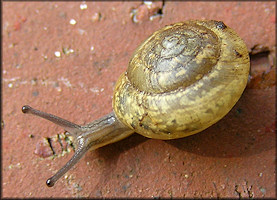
(233, 158)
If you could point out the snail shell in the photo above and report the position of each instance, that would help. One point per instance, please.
(182, 79)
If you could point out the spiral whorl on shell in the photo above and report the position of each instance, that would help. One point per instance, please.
(182, 79)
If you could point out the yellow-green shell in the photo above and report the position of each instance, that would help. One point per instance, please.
(182, 79)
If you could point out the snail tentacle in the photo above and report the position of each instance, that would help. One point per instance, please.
(82, 148)
(70, 127)
(101, 132)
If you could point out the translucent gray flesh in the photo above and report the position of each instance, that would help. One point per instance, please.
(98, 133)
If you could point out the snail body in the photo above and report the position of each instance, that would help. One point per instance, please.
(181, 80)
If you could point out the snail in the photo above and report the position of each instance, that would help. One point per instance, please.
(182, 79)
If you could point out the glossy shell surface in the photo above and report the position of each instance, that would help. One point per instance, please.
(182, 79)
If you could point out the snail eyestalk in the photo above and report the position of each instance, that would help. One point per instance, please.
(67, 125)
(101, 132)
(81, 150)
